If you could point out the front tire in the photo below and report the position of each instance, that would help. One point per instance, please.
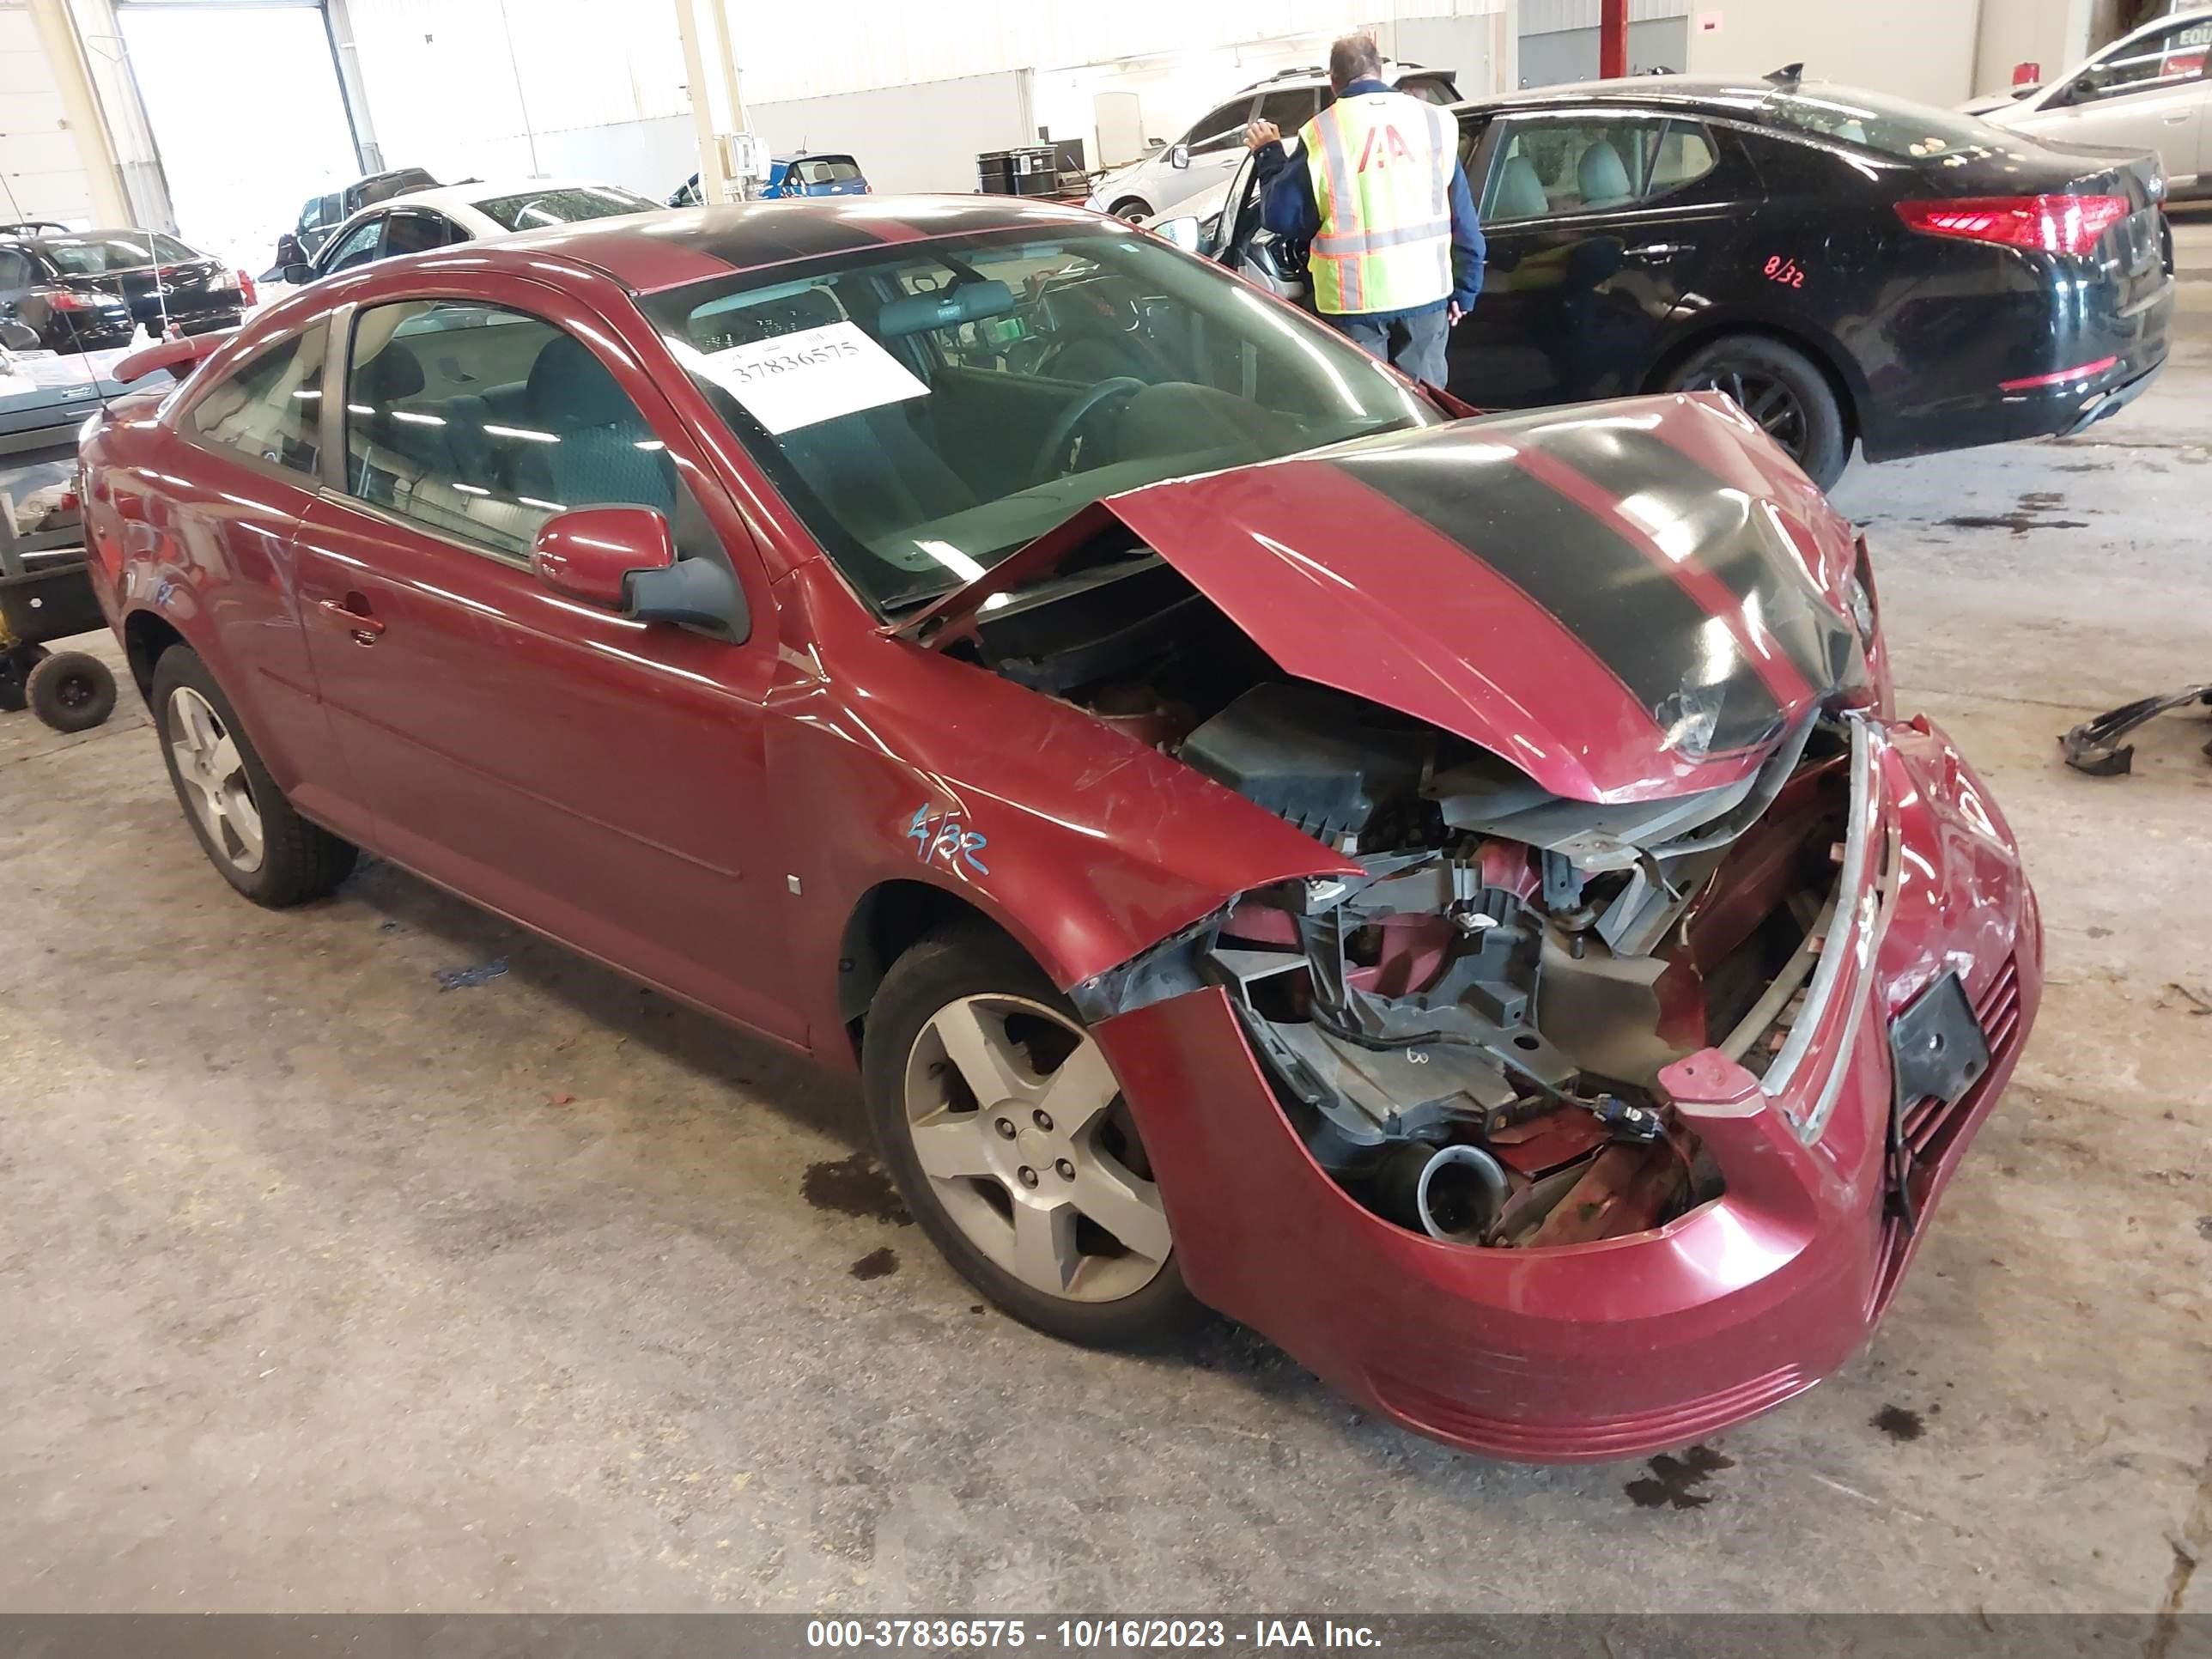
(1135, 209)
(249, 831)
(1782, 390)
(1004, 1126)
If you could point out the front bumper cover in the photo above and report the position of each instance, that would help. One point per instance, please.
(1628, 1346)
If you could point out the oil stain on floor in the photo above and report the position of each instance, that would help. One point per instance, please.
(855, 1186)
(1673, 1481)
(877, 1264)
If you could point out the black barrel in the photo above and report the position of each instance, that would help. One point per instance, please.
(1032, 170)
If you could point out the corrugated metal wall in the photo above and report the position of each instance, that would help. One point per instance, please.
(1548, 16)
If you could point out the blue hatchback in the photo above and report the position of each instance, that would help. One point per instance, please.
(795, 175)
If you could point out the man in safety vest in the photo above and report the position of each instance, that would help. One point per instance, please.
(1380, 197)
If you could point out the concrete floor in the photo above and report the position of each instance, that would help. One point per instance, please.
(322, 1288)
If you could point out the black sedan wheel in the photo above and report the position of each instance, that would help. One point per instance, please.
(1779, 388)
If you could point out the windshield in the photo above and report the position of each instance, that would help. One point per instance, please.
(533, 208)
(1895, 126)
(929, 407)
(101, 256)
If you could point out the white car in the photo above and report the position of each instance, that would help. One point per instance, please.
(424, 219)
(2148, 90)
(1205, 156)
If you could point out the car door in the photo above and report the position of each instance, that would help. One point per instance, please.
(1211, 151)
(2148, 93)
(1596, 221)
(228, 562)
(18, 277)
(596, 777)
(360, 245)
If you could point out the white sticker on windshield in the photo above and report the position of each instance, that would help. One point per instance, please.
(816, 375)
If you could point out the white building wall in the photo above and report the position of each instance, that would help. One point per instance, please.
(41, 174)
(601, 80)
(1923, 49)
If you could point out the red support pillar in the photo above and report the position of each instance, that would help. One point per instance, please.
(1613, 40)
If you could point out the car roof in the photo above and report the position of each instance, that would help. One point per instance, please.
(44, 238)
(1317, 75)
(648, 251)
(1732, 94)
(476, 191)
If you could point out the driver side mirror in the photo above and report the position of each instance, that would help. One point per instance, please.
(1186, 234)
(1179, 156)
(623, 559)
(2088, 85)
(299, 272)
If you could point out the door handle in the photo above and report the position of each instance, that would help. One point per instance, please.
(2176, 121)
(365, 629)
(1652, 252)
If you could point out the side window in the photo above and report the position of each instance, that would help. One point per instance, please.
(1221, 128)
(270, 408)
(416, 232)
(311, 215)
(1288, 110)
(357, 249)
(1685, 155)
(2167, 58)
(481, 424)
(1551, 167)
(14, 269)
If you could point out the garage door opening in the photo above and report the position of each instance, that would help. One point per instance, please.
(245, 105)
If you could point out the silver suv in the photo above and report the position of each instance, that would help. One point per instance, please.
(1204, 157)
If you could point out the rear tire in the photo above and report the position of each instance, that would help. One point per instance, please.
(1007, 1190)
(1782, 390)
(244, 825)
(72, 692)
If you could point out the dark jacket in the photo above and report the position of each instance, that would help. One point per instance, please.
(1287, 207)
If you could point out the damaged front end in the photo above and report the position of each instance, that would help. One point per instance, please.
(1468, 1034)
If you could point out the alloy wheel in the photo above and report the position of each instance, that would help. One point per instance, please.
(1017, 1121)
(211, 776)
(1767, 399)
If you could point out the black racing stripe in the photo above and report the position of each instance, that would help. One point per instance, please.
(771, 238)
(1625, 462)
(1632, 616)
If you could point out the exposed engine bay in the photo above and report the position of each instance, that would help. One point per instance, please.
(1467, 1035)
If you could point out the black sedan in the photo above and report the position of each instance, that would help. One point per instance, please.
(1849, 267)
(89, 290)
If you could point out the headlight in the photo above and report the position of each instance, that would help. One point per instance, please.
(1860, 603)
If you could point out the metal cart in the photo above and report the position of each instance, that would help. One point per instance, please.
(45, 587)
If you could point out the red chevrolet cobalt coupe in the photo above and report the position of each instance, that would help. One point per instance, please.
(1450, 893)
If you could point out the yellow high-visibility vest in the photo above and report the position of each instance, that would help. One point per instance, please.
(1381, 167)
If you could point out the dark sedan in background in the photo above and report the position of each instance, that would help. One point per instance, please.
(1849, 267)
(89, 290)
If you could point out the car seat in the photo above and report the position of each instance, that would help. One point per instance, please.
(1519, 193)
(606, 452)
(1604, 176)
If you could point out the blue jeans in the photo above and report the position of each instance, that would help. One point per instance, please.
(1412, 341)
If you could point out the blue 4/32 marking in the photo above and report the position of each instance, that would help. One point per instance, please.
(947, 841)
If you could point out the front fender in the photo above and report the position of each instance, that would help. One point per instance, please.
(1086, 845)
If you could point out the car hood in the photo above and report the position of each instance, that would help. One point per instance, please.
(1625, 600)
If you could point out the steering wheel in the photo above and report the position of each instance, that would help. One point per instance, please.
(1063, 429)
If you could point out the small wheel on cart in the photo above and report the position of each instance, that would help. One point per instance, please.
(74, 692)
(15, 666)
